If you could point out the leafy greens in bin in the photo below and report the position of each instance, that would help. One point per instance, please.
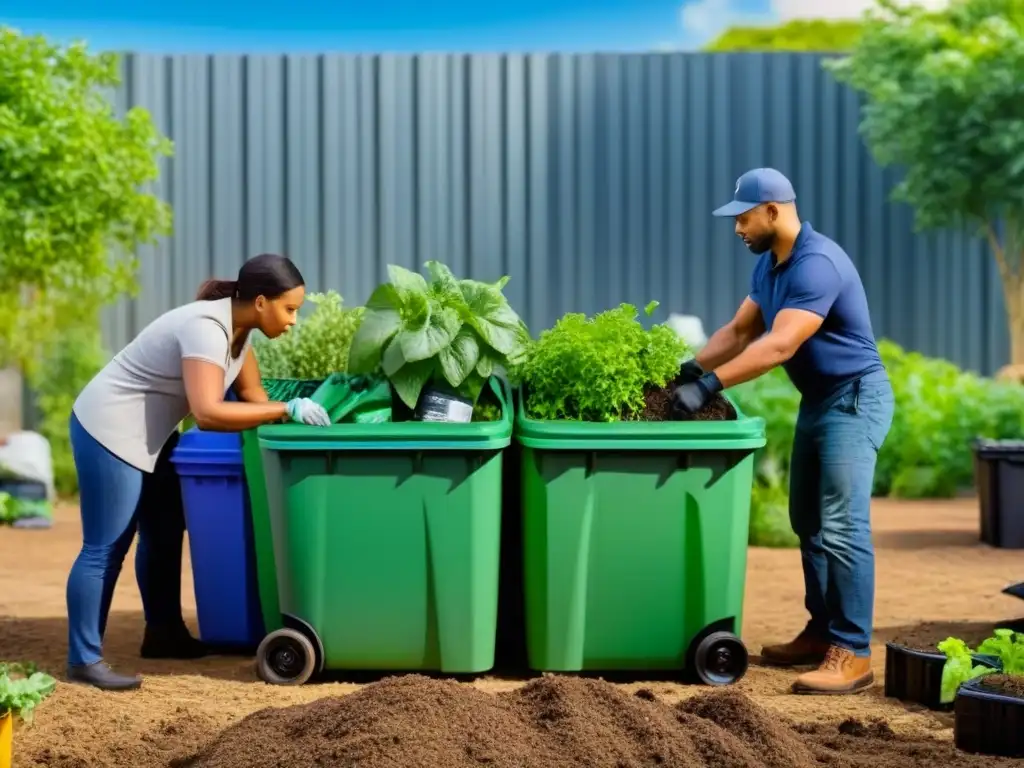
(446, 331)
(1003, 652)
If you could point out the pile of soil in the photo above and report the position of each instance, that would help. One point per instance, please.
(554, 721)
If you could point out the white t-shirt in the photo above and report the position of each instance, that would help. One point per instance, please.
(135, 403)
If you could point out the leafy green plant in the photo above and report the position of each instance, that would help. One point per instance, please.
(769, 512)
(22, 689)
(447, 332)
(65, 366)
(1005, 646)
(76, 197)
(940, 411)
(317, 346)
(598, 369)
(941, 103)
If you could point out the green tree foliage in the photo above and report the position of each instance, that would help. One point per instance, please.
(943, 102)
(74, 205)
(820, 35)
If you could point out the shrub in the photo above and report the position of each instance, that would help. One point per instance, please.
(597, 369)
(317, 346)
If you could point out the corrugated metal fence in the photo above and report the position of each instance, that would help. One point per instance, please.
(588, 178)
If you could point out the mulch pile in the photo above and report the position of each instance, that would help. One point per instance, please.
(414, 722)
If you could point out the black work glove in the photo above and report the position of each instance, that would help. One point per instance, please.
(690, 398)
(691, 371)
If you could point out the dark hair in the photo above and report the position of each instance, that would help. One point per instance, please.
(267, 275)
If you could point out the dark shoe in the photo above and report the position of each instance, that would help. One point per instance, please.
(176, 643)
(807, 648)
(841, 673)
(101, 676)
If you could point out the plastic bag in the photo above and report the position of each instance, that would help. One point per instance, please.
(283, 390)
(355, 399)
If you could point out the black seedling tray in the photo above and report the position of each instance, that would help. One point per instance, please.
(916, 676)
(988, 723)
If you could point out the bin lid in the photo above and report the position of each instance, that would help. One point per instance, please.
(397, 435)
(999, 449)
(198, 447)
(746, 433)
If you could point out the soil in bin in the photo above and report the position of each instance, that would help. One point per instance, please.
(413, 720)
(659, 407)
(927, 636)
(1008, 685)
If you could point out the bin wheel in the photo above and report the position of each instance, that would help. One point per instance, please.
(286, 657)
(721, 658)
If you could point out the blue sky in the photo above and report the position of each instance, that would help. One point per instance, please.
(394, 25)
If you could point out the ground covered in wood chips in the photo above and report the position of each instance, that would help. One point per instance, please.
(934, 580)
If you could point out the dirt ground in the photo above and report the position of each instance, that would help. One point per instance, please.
(933, 577)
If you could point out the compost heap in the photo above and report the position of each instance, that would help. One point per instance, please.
(417, 722)
(658, 406)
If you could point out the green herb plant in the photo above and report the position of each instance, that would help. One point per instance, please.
(317, 346)
(1005, 646)
(22, 689)
(597, 369)
(444, 332)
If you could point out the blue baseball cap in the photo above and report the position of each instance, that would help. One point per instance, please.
(756, 187)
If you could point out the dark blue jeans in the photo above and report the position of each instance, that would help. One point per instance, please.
(116, 501)
(831, 477)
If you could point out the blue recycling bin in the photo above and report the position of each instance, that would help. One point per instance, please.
(219, 523)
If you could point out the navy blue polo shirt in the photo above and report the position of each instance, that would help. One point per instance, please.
(819, 277)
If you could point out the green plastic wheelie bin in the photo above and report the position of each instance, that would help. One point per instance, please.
(263, 541)
(635, 544)
(387, 543)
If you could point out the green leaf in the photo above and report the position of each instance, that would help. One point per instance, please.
(472, 386)
(460, 357)
(958, 669)
(485, 365)
(380, 323)
(651, 306)
(406, 280)
(492, 317)
(410, 379)
(425, 342)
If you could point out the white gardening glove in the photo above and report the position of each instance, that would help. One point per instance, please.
(302, 410)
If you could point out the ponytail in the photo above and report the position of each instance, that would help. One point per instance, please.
(267, 275)
(212, 290)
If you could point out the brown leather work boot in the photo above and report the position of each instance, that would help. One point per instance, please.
(807, 648)
(840, 673)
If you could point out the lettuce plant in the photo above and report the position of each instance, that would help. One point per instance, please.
(447, 332)
(1005, 648)
(22, 688)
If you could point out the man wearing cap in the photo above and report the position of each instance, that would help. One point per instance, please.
(807, 311)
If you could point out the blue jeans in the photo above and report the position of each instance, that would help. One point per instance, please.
(831, 477)
(116, 501)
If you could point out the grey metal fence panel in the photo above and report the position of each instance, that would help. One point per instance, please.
(588, 178)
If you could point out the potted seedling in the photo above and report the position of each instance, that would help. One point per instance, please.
(931, 674)
(989, 706)
(22, 688)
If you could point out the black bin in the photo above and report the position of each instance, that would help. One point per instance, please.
(999, 474)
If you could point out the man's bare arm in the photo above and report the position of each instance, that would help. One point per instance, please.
(733, 337)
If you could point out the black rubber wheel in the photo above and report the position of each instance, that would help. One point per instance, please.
(721, 658)
(286, 657)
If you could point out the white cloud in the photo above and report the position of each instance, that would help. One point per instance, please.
(704, 20)
(785, 10)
